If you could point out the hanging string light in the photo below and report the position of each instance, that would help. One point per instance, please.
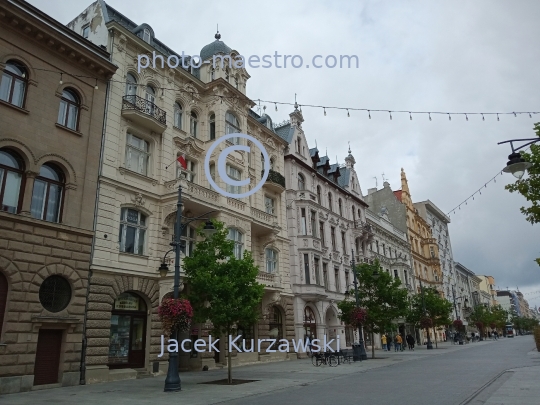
(348, 115)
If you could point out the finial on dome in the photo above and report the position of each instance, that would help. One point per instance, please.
(218, 35)
(349, 148)
(295, 103)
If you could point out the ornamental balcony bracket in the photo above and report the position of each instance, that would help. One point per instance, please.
(144, 113)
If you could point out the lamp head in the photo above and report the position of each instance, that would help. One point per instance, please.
(516, 165)
(163, 269)
(375, 274)
(347, 294)
(209, 229)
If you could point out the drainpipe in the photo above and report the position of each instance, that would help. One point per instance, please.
(82, 369)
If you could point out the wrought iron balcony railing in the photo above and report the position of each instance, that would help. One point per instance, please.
(133, 102)
(275, 177)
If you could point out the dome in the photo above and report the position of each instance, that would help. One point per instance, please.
(214, 48)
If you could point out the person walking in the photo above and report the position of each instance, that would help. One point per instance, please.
(397, 343)
(409, 340)
(383, 342)
(389, 342)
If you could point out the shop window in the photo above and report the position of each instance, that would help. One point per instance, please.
(276, 324)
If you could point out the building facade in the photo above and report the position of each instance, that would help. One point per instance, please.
(467, 293)
(487, 286)
(326, 221)
(52, 98)
(155, 116)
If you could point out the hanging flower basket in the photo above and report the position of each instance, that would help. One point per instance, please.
(458, 324)
(358, 317)
(426, 323)
(175, 314)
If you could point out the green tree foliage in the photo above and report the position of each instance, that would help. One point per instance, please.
(480, 316)
(222, 288)
(523, 324)
(438, 309)
(529, 187)
(380, 294)
(497, 317)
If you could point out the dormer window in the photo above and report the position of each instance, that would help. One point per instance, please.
(146, 35)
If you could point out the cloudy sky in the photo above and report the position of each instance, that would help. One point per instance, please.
(450, 56)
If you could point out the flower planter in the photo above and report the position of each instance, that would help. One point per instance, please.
(175, 315)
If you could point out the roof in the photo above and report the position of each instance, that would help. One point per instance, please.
(345, 174)
(285, 132)
(213, 48)
(435, 210)
(313, 152)
(397, 193)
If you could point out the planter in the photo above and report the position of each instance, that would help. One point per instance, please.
(175, 315)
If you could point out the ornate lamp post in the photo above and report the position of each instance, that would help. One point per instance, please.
(172, 382)
(516, 165)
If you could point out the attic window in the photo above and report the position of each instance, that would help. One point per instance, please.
(86, 31)
(146, 35)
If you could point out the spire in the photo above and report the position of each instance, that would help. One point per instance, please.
(349, 160)
(218, 35)
(404, 183)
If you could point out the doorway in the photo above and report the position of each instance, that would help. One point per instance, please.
(48, 351)
(127, 345)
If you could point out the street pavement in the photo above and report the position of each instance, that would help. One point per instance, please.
(490, 372)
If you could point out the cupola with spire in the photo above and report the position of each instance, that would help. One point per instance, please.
(214, 48)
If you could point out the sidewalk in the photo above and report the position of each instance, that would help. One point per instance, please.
(271, 377)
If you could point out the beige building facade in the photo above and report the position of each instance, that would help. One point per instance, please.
(154, 116)
(52, 98)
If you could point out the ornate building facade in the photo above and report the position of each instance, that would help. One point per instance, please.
(52, 97)
(326, 221)
(154, 116)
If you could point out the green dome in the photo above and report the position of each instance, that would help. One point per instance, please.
(214, 48)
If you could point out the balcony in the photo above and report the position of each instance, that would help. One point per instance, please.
(275, 181)
(144, 113)
(363, 230)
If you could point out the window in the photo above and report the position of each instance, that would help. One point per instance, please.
(146, 35)
(190, 170)
(13, 84)
(271, 260)
(178, 115)
(384, 250)
(55, 293)
(336, 279)
(236, 82)
(306, 268)
(131, 87)
(86, 31)
(396, 275)
(213, 171)
(301, 182)
(68, 115)
(333, 237)
(269, 205)
(137, 154)
(330, 201)
(340, 206)
(187, 236)
(232, 126)
(150, 97)
(234, 174)
(303, 224)
(276, 324)
(317, 270)
(319, 199)
(313, 223)
(193, 123)
(3, 299)
(432, 251)
(321, 232)
(354, 216)
(325, 275)
(212, 134)
(406, 277)
(11, 175)
(346, 280)
(132, 231)
(343, 242)
(237, 237)
(47, 195)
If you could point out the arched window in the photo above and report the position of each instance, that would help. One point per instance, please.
(13, 84)
(319, 198)
(131, 87)
(132, 231)
(193, 124)
(212, 127)
(11, 175)
(68, 115)
(178, 115)
(310, 323)
(276, 324)
(340, 206)
(3, 300)
(301, 182)
(271, 260)
(238, 238)
(48, 194)
(330, 201)
(232, 126)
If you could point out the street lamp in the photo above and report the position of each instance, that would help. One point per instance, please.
(172, 382)
(516, 165)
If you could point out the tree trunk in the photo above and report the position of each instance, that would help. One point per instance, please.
(229, 359)
(435, 336)
(372, 345)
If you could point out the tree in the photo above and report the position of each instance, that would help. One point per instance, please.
(497, 317)
(438, 310)
(380, 295)
(481, 316)
(222, 288)
(530, 187)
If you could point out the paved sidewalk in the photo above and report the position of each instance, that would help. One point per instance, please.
(272, 377)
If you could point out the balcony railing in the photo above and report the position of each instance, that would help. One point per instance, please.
(275, 178)
(133, 102)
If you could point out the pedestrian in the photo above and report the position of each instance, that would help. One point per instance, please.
(410, 341)
(496, 335)
(397, 343)
(383, 342)
(389, 342)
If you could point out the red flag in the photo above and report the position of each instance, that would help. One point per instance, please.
(182, 160)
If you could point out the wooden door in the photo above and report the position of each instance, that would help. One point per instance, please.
(137, 344)
(48, 351)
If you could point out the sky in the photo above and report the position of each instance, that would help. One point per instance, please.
(449, 56)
